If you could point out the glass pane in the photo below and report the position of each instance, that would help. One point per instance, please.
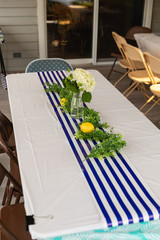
(69, 28)
(118, 16)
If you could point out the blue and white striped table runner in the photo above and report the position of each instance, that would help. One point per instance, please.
(115, 184)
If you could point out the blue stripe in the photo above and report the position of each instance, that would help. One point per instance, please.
(139, 183)
(140, 216)
(130, 218)
(103, 189)
(113, 207)
(115, 191)
(109, 223)
(151, 217)
(119, 219)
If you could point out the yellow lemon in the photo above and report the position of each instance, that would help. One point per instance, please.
(87, 127)
(63, 101)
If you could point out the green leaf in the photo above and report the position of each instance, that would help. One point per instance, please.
(72, 86)
(64, 80)
(86, 96)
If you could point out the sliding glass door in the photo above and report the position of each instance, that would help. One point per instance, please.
(118, 16)
(69, 28)
(81, 29)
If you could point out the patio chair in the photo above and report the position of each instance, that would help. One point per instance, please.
(140, 78)
(7, 145)
(153, 65)
(12, 223)
(129, 37)
(48, 64)
(14, 185)
(123, 62)
(133, 30)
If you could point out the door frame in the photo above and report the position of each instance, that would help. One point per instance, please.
(42, 31)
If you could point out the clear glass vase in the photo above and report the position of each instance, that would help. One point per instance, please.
(76, 106)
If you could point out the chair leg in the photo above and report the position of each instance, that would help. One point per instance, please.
(5, 192)
(2, 63)
(130, 87)
(152, 107)
(148, 101)
(18, 196)
(132, 90)
(10, 194)
(121, 78)
(112, 68)
(144, 91)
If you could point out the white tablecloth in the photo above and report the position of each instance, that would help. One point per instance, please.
(53, 183)
(148, 42)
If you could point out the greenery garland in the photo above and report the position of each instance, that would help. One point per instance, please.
(108, 142)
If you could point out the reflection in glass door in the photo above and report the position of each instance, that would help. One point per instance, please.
(118, 16)
(69, 28)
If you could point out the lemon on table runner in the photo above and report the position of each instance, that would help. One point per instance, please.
(63, 101)
(87, 127)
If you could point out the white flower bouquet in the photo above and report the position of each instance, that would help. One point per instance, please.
(84, 79)
(80, 80)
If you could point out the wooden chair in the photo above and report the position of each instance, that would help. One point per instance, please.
(6, 131)
(140, 77)
(124, 61)
(7, 145)
(14, 186)
(12, 223)
(153, 65)
(129, 37)
(133, 30)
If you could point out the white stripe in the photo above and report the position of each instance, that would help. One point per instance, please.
(137, 187)
(129, 190)
(121, 194)
(94, 181)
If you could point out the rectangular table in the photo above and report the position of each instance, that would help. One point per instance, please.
(148, 42)
(66, 194)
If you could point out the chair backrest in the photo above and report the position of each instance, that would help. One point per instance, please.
(12, 223)
(153, 64)
(133, 54)
(12, 186)
(119, 40)
(48, 64)
(6, 127)
(7, 144)
(136, 29)
(4, 173)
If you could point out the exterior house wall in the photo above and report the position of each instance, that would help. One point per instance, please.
(18, 20)
(19, 23)
(156, 16)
